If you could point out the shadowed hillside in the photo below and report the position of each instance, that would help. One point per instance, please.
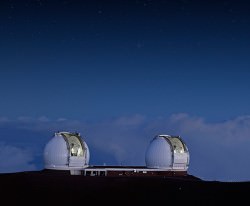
(46, 188)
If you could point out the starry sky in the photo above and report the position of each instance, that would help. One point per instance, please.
(120, 72)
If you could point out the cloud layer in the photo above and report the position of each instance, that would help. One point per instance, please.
(15, 159)
(218, 150)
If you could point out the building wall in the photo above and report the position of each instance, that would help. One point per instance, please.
(134, 173)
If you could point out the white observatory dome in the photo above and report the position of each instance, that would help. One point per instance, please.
(66, 151)
(167, 152)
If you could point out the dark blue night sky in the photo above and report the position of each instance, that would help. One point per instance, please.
(121, 72)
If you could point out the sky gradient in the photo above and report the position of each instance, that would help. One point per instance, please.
(120, 72)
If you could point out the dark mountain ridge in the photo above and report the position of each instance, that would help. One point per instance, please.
(47, 187)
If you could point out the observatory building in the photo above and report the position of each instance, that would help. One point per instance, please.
(66, 151)
(167, 152)
(166, 155)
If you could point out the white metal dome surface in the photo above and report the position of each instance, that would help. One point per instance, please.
(167, 152)
(159, 154)
(66, 151)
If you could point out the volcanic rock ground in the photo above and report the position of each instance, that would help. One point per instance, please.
(57, 188)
